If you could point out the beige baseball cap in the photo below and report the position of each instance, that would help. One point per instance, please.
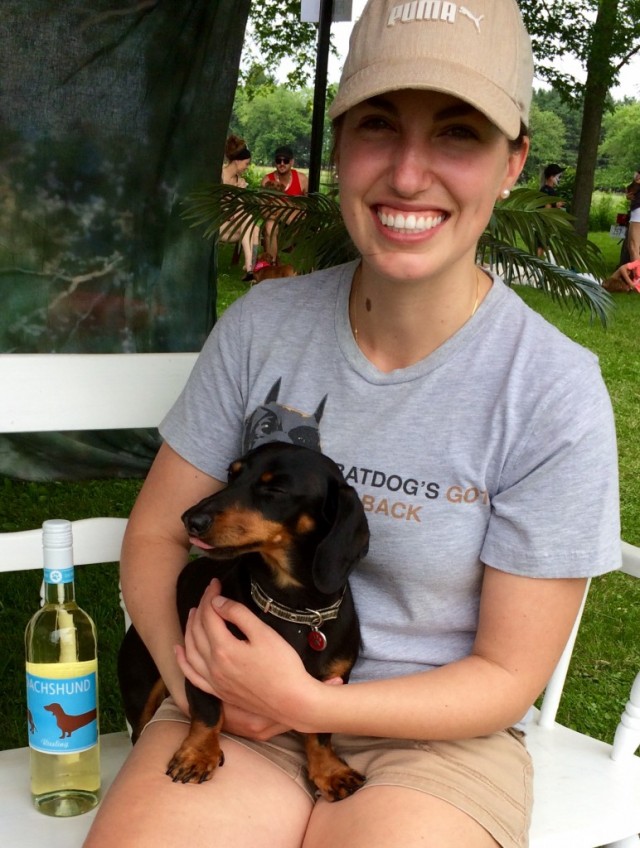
(477, 50)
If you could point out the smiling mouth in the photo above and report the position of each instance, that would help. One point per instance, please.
(408, 222)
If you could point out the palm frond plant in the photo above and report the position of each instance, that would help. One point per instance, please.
(572, 266)
(312, 230)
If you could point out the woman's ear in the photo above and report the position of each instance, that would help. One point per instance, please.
(517, 158)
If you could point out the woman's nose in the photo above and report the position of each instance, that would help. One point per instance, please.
(411, 170)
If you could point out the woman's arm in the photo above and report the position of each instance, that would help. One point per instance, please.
(523, 627)
(154, 551)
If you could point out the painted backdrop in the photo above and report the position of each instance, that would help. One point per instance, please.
(110, 113)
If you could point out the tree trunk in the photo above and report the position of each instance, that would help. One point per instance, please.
(599, 76)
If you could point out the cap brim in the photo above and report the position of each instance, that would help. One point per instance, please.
(446, 77)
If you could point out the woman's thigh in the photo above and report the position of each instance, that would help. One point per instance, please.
(229, 233)
(249, 802)
(474, 793)
(634, 240)
(393, 817)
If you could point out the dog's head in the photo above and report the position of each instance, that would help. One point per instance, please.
(274, 272)
(292, 506)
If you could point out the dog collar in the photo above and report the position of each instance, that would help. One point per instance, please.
(312, 618)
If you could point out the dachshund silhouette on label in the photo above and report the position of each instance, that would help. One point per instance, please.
(68, 724)
(273, 422)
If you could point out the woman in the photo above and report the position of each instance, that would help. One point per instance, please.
(551, 180)
(633, 237)
(238, 160)
(480, 440)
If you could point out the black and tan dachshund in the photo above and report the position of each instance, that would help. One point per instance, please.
(282, 537)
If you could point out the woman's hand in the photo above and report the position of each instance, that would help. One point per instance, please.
(261, 680)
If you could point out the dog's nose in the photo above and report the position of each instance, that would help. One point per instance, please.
(197, 524)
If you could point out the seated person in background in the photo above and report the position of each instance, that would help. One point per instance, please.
(633, 237)
(551, 176)
(238, 160)
(289, 181)
(625, 278)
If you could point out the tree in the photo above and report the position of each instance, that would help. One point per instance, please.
(603, 35)
(620, 149)
(548, 137)
(274, 117)
(569, 112)
(279, 35)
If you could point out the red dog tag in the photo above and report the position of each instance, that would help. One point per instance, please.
(317, 640)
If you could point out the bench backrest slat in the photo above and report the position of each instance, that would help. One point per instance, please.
(60, 391)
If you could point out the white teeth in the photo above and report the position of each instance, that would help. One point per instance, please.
(410, 222)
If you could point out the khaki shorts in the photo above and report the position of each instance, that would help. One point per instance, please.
(489, 778)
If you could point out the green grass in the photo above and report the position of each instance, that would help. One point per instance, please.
(609, 247)
(607, 655)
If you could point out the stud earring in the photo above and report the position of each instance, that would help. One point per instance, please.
(505, 193)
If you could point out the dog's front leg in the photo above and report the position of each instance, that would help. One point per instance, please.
(332, 776)
(200, 754)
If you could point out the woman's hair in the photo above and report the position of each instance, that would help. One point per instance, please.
(236, 148)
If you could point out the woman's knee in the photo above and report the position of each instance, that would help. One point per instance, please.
(394, 817)
(145, 808)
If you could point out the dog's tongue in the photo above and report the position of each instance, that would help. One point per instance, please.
(198, 543)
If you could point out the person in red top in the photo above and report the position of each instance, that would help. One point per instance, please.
(288, 180)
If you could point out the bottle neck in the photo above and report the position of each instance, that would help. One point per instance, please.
(59, 586)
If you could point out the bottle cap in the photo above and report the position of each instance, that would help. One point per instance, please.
(57, 549)
(57, 533)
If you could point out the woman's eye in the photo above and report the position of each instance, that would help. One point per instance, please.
(374, 123)
(461, 132)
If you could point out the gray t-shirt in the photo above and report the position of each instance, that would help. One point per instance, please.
(497, 448)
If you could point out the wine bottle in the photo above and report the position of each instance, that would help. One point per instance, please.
(62, 688)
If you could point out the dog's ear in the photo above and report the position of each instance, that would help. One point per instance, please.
(346, 542)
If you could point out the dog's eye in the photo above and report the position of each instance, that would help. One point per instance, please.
(274, 485)
(274, 489)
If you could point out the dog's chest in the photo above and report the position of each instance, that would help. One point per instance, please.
(317, 647)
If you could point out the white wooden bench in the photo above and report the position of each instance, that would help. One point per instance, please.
(587, 793)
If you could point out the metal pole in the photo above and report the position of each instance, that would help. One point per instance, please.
(320, 94)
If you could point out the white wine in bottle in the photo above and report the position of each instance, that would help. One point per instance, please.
(62, 688)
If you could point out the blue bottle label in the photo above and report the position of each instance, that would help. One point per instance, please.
(58, 575)
(62, 707)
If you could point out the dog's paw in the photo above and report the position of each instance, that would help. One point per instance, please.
(191, 765)
(341, 783)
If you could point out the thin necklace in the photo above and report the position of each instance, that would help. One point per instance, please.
(477, 300)
(354, 299)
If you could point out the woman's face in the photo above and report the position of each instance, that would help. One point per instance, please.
(242, 165)
(419, 174)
